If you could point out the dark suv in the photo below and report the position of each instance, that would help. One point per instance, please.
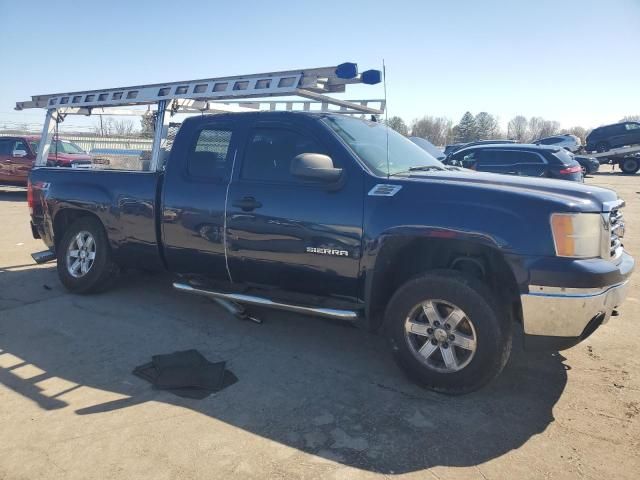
(605, 138)
(519, 159)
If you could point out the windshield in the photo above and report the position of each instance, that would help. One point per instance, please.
(65, 147)
(369, 141)
(59, 146)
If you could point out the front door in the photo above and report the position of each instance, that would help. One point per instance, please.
(22, 159)
(289, 233)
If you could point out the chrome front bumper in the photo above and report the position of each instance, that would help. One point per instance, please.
(566, 312)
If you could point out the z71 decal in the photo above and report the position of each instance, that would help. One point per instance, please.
(328, 251)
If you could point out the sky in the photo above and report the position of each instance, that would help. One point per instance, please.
(574, 61)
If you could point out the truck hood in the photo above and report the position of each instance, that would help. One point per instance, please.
(573, 195)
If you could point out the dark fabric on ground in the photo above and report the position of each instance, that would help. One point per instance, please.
(186, 374)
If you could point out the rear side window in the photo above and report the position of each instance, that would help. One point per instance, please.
(564, 156)
(508, 157)
(270, 151)
(495, 158)
(209, 155)
(632, 126)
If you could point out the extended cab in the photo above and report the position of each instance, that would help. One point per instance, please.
(344, 218)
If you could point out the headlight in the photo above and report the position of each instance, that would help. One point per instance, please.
(577, 234)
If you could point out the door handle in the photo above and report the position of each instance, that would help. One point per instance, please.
(247, 204)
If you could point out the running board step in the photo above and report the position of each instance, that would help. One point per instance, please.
(43, 257)
(345, 315)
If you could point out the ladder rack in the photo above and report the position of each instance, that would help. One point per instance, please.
(313, 84)
(213, 95)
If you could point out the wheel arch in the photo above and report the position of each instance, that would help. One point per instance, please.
(65, 217)
(401, 258)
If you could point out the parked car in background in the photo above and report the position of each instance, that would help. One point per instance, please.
(62, 153)
(603, 139)
(451, 149)
(429, 147)
(589, 164)
(17, 154)
(566, 141)
(519, 159)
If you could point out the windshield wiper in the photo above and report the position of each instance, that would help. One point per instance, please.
(422, 168)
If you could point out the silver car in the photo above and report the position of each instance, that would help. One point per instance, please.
(565, 140)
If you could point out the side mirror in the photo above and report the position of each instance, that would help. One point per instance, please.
(315, 166)
(19, 153)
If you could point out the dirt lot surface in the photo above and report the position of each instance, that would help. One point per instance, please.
(314, 399)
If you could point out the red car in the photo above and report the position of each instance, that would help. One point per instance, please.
(17, 154)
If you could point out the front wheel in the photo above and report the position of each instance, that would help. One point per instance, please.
(448, 332)
(84, 257)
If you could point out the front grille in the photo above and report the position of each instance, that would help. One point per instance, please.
(616, 229)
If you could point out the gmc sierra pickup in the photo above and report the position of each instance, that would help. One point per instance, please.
(343, 218)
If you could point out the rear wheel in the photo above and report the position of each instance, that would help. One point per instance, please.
(448, 332)
(84, 257)
(602, 147)
(630, 165)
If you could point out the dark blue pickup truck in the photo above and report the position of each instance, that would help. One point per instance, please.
(342, 218)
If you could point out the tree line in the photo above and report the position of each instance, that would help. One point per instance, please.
(484, 126)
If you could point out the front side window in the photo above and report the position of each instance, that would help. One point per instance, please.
(270, 151)
(382, 149)
(209, 155)
(20, 145)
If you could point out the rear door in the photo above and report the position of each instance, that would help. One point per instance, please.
(193, 201)
(284, 232)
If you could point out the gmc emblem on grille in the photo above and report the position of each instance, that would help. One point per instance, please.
(328, 251)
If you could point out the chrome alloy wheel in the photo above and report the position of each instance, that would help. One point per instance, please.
(81, 254)
(441, 336)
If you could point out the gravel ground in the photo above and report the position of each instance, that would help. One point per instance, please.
(314, 399)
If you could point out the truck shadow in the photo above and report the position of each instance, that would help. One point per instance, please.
(328, 390)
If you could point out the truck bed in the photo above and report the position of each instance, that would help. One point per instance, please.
(124, 201)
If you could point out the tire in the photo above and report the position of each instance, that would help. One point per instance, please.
(482, 320)
(97, 269)
(602, 147)
(630, 165)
